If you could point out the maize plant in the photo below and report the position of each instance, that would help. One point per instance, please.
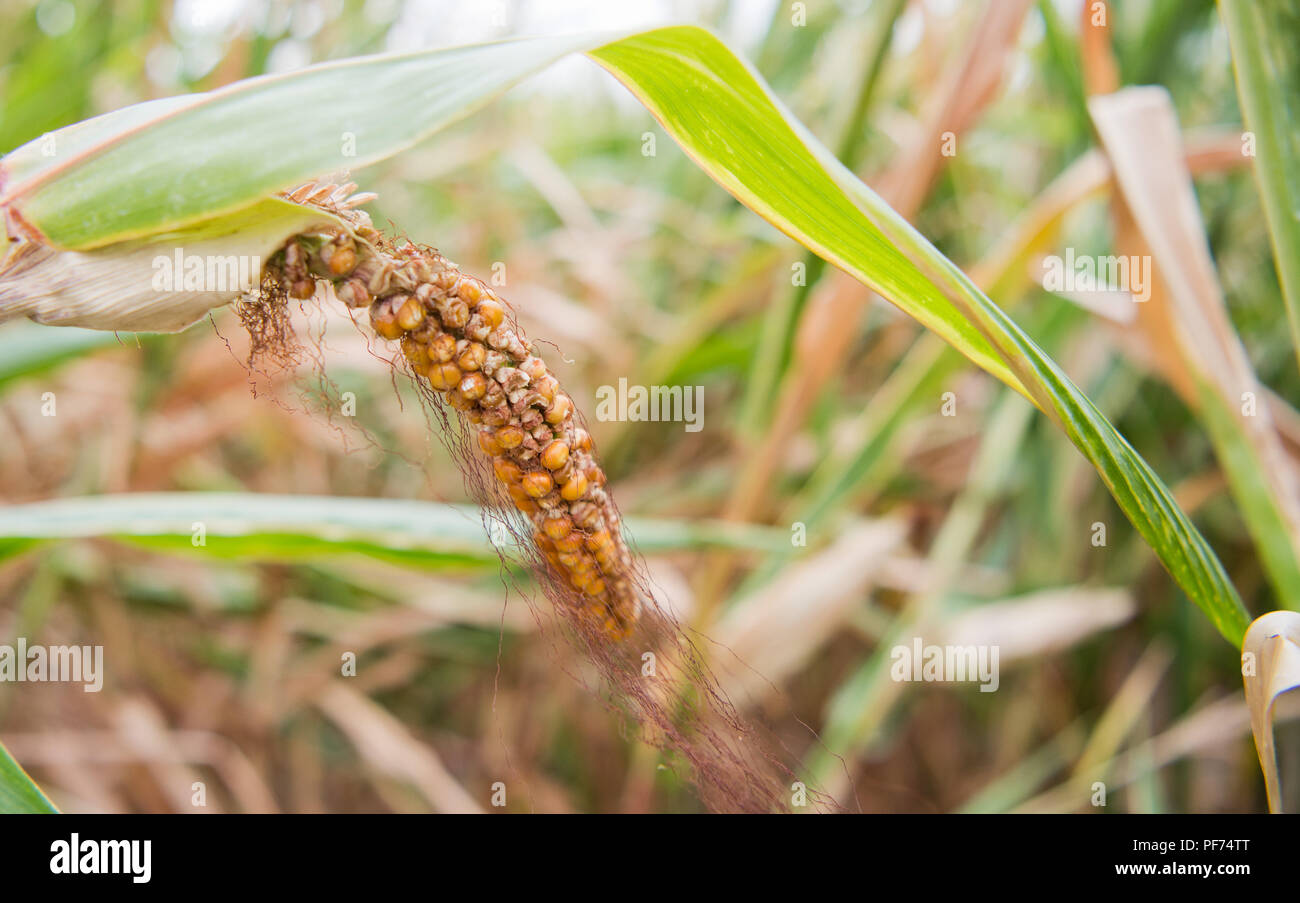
(251, 169)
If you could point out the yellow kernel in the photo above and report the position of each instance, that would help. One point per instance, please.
(342, 261)
(575, 489)
(570, 543)
(473, 386)
(384, 321)
(457, 400)
(487, 441)
(558, 527)
(442, 348)
(537, 483)
(559, 409)
(522, 501)
(507, 471)
(555, 455)
(443, 376)
(510, 436)
(472, 357)
(575, 562)
(470, 289)
(410, 314)
(414, 352)
(492, 312)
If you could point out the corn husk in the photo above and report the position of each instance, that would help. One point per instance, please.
(117, 287)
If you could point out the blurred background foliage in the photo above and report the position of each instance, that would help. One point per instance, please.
(823, 407)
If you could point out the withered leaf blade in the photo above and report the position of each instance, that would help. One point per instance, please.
(1270, 668)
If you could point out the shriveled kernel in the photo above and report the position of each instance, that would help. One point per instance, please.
(537, 483)
(560, 408)
(575, 489)
(530, 420)
(595, 476)
(469, 288)
(511, 378)
(492, 312)
(472, 357)
(476, 329)
(410, 314)
(302, 289)
(443, 376)
(426, 331)
(585, 515)
(535, 367)
(510, 436)
(353, 293)
(453, 312)
(546, 387)
(495, 416)
(555, 455)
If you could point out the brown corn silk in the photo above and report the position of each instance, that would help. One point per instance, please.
(530, 465)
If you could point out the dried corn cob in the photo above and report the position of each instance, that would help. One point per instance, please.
(454, 332)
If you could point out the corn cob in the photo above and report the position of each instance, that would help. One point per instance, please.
(454, 332)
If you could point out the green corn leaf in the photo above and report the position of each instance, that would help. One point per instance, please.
(18, 792)
(1263, 38)
(702, 95)
(44, 157)
(144, 171)
(251, 526)
(711, 103)
(27, 349)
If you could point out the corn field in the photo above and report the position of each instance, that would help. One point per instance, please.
(881, 407)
